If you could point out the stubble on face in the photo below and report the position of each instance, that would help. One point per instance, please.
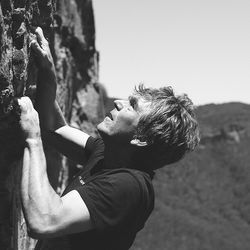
(121, 123)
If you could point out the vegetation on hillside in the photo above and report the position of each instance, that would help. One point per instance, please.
(203, 201)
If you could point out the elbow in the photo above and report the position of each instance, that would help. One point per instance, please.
(40, 229)
(35, 234)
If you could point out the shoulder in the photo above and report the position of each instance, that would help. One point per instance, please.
(94, 145)
(115, 197)
(144, 183)
(132, 184)
(119, 185)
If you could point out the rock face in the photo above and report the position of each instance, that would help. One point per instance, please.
(69, 27)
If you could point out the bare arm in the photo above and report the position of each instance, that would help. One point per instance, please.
(47, 215)
(67, 140)
(50, 114)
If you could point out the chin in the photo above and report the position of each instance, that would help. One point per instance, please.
(102, 129)
(99, 126)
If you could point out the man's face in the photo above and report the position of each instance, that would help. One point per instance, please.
(120, 125)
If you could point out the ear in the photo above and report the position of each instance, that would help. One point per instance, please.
(139, 143)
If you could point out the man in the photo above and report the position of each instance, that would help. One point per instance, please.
(107, 202)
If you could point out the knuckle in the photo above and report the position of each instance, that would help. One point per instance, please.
(38, 30)
(26, 103)
(19, 101)
(27, 99)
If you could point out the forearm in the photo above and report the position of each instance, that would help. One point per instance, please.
(46, 106)
(51, 117)
(46, 214)
(68, 141)
(36, 192)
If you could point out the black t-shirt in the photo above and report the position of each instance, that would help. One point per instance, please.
(119, 202)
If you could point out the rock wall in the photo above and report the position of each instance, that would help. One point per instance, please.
(69, 27)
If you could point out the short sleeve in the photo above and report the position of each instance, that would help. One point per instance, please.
(94, 147)
(112, 201)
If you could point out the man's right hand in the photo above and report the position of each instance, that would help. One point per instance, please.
(40, 47)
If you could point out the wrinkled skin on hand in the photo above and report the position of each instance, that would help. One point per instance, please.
(29, 120)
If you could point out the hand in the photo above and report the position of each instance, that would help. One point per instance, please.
(29, 120)
(40, 47)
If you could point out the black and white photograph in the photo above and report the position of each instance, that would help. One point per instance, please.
(124, 125)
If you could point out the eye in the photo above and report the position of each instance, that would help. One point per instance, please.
(133, 102)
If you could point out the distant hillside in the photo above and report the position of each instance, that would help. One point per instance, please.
(203, 202)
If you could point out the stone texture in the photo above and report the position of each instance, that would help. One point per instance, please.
(69, 27)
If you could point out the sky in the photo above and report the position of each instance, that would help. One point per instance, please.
(199, 47)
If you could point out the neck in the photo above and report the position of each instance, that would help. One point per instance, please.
(118, 155)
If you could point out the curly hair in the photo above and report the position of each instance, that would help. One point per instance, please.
(169, 126)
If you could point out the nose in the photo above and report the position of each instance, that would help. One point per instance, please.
(120, 104)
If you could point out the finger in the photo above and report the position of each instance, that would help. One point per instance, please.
(25, 104)
(40, 36)
(28, 102)
(22, 105)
